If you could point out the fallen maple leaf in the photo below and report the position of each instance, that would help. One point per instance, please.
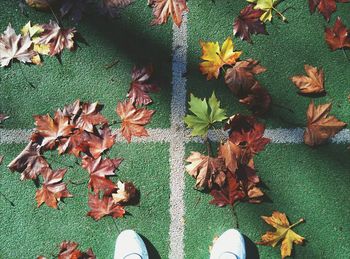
(204, 115)
(104, 207)
(312, 83)
(113, 7)
(283, 233)
(162, 9)
(206, 170)
(338, 36)
(227, 194)
(231, 154)
(126, 192)
(248, 22)
(14, 46)
(320, 126)
(50, 130)
(258, 100)
(325, 7)
(215, 58)
(133, 119)
(69, 250)
(90, 116)
(140, 86)
(267, 6)
(29, 162)
(241, 77)
(56, 37)
(53, 188)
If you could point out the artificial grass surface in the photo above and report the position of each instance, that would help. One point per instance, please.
(283, 52)
(82, 75)
(28, 231)
(302, 182)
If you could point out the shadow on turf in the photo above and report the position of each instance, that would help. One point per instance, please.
(251, 248)
(152, 251)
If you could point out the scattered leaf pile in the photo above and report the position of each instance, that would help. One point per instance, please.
(81, 130)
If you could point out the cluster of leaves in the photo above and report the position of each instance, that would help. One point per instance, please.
(239, 74)
(320, 126)
(253, 17)
(39, 39)
(81, 130)
(69, 250)
(230, 176)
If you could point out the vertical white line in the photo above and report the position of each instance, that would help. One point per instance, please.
(177, 142)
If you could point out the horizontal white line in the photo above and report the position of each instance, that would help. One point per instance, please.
(279, 136)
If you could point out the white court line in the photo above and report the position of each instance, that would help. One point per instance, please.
(277, 136)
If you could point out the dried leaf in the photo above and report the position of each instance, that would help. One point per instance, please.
(283, 233)
(162, 9)
(248, 22)
(320, 126)
(338, 36)
(104, 207)
(258, 100)
(126, 192)
(113, 7)
(53, 188)
(231, 154)
(3, 117)
(133, 120)
(312, 83)
(325, 7)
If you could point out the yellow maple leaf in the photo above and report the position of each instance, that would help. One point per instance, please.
(283, 233)
(214, 58)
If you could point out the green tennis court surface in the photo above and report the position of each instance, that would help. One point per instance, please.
(300, 181)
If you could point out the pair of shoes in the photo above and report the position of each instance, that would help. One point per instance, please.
(230, 245)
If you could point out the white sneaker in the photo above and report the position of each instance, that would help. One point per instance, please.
(230, 245)
(129, 245)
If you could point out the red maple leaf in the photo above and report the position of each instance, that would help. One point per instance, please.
(90, 116)
(69, 250)
(228, 194)
(104, 207)
(140, 86)
(133, 119)
(50, 130)
(53, 188)
(325, 7)
(163, 8)
(338, 36)
(248, 22)
(29, 162)
(258, 100)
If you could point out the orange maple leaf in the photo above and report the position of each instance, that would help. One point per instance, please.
(312, 83)
(162, 9)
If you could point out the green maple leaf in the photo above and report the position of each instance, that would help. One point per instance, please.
(204, 115)
(267, 6)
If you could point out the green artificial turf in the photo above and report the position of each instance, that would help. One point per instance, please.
(283, 52)
(82, 74)
(28, 231)
(302, 182)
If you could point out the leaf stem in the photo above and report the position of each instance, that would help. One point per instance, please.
(7, 199)
(280, 14)
(346, 55)
(297, 223)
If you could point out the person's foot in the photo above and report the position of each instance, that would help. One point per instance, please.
(230, 245)
(129, 245)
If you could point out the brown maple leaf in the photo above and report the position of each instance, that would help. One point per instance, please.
(14, 46)
(50, 130)
(113, 7)
(338, 36)
(53, 188)
(283, 233)
(56, 38)
(90, 116)
(141, 86)
(69, 250)
(312, 83)
(206, 170)
(320, 126)
(163, 8)
(94, 145)
(227, 194)
(325, 7)
(133, 119)
(248, 22)
(231, 154)
(104, 207)
(29, 162)
(241, 77)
